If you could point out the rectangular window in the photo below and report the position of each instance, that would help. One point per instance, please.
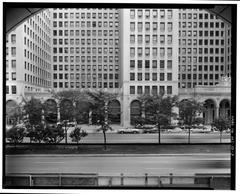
(132, 89)
(14, 76)
(147, 90)
(139, 64)
(132, 26)
(147, 76)
(13, 51)
(161, 90)
(13, 63)
(139, 90)
(132, 14)
(154, 76)
(162, 26)
(161, 76)
(139, 76)
(169, 76)
(169, 89)
(14, 89)
(132, 76)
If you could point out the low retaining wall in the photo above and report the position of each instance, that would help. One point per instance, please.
(94, 180)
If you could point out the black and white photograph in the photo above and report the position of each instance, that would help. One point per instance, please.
(112, 96)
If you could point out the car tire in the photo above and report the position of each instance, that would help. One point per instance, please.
(121, 132)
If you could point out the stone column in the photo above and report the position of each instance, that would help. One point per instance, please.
(42, 117)
(217, 112)
(74, 107)
(58, 111)
(90, 117)
(143, 111)
(106, 112)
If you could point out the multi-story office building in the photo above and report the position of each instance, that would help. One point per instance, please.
(149, 58)
(85, 48)
(28, 58)
(204, 58)
(130, 51)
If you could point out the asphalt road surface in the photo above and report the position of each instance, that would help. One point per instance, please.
(178, 164)
(153, 138)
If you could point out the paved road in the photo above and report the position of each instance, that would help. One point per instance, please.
(114, 165)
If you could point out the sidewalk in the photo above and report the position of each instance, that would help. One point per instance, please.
(118, 149)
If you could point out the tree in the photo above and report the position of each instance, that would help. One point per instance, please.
(100, 109)
(77, 134)
(160, 108)
(53, 134)
(188, 113)
(36, 133)
(16, 134)
(75, 96)
(222, 123)
(33, 109)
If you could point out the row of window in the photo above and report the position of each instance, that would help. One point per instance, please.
(149, 13)
(154, 51)
(85, 85)
(13, 76)
(154, 26)
(201, 33)
(13, 51)
(199, 76)
(13, 89)
(199, 42)
(83, 67)
(13, 64)
(200, 25)
(87, 15)
(154, 77)
(139, 39)
(88, 50)
(201, 68)
(201, 50)
(154, 64)
(153, 91)
(88, 24)
(87, 59)
(196, 16)
(84, 41)
(87, 33)
(201, 59)
(192, 85)
(89, 76)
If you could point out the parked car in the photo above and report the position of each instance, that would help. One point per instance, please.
(128, 130)
(151, 130)
(203, 129)
(175, 130)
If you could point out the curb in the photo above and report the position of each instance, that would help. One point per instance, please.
(116, 155)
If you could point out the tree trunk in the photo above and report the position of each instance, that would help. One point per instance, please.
(189, 132)
(220, 136)
(65, 134)
(159, 135)
(105, 140)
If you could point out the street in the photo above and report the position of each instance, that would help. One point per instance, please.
(161, 164)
